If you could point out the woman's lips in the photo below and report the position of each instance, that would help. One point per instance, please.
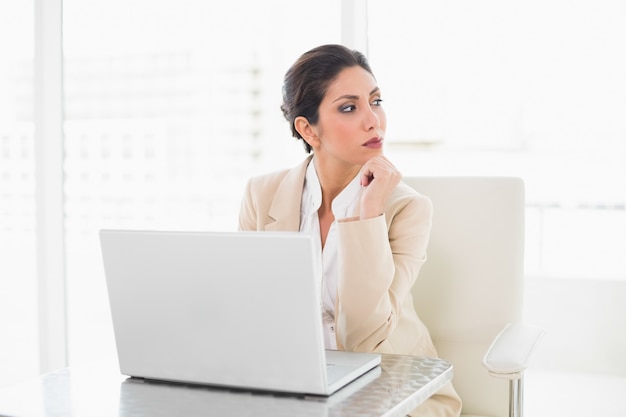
(374, 143)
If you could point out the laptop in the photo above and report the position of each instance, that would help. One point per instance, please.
(232, 309)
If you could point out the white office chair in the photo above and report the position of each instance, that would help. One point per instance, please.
(469, 292)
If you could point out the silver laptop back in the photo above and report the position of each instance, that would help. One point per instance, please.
(234, 309)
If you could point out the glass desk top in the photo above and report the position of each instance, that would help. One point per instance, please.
(394, 388)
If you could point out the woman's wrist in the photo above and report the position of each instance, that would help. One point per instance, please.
(370, 211)
(367, 215)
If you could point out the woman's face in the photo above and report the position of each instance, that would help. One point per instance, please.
(352, 122)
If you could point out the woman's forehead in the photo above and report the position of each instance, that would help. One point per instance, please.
(351, 81)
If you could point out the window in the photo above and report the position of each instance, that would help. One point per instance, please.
(170, 107)
(498, 88)
(18, 284)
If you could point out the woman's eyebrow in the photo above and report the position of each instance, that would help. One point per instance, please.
(355, 97)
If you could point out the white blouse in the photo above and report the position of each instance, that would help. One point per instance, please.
(342, 206)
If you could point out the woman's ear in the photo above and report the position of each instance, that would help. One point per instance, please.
(307, 131)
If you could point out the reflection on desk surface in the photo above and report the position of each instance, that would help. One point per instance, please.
(140, 397)
(383, 389)
(394, 388)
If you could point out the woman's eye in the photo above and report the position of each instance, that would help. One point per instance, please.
(377, 102)
(347, 108)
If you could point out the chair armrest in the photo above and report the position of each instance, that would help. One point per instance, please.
(510, 351)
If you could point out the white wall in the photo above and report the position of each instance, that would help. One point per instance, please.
(585, 322)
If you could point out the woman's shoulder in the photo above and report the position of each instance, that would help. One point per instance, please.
(270, 181)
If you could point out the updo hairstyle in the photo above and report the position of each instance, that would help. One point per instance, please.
(307, 81)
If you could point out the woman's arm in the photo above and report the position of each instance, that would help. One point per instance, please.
(380, 259)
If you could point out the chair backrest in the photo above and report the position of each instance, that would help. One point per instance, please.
(471, 285)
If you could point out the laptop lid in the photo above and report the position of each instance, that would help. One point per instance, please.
(238, 309)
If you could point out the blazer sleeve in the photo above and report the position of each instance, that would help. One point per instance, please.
(380, 259)
(248, 210)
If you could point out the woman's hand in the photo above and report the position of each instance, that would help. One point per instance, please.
(379, 177)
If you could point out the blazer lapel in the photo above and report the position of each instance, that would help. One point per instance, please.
(285, 208)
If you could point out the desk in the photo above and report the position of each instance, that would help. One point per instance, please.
(399, 385)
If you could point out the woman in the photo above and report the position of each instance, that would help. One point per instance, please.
(372, 230)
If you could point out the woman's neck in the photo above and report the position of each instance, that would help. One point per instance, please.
(333, 179)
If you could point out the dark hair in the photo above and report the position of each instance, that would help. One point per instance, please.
(307, 80)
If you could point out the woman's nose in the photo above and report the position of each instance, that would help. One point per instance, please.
(371, 119)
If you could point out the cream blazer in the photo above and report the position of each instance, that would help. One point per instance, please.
(379, 260)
